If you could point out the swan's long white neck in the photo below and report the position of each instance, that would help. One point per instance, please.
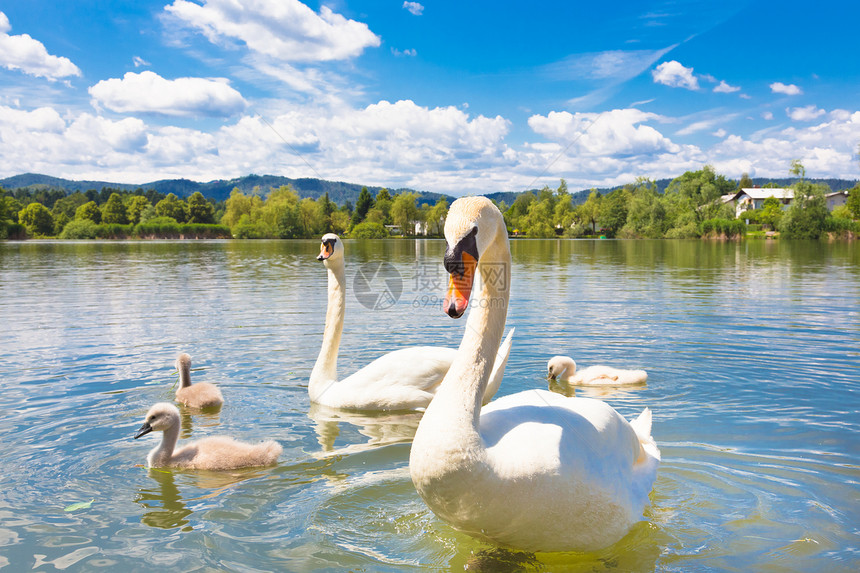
(325, 369)
(451, 419)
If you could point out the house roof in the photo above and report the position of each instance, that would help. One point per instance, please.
(762, 193)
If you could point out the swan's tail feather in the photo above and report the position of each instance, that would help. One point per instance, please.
(498, 368)
(642, 426)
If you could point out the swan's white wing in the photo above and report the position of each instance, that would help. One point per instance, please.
(542, 432)
(402, 379)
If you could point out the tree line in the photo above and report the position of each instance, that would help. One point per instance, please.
(691, 206)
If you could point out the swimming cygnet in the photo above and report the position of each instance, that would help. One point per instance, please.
(200, 395)
(564, 368)
(213, 453)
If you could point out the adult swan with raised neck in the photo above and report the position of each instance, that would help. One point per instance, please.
(404, 379)
(536, 470)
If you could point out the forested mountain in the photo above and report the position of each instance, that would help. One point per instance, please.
(218, 190)
(338, 191)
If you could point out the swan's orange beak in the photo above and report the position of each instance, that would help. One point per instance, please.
(326, 250)
(460, 288)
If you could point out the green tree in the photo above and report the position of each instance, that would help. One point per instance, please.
(363, 204)
(853, 202)
(807, 216)
(770, 213)
(368, 230)
(590, 210)
(290, 222)
(69, 204)
(613, 211)
(382, 206)
(37, 219)
(646, 213)
(89, 211)
(279, 215)
(404, 212)
(745, 182)
(699, 193)
(516, 213)
(135, 208)
(435, 217)
(240, 204)
(538, 220)
(200, 210)
(797, 169)
(327, 209)
(173, 207)
(60, 222)
(114, 211)
(339, 222)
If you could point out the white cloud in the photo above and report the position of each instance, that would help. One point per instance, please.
(826, 150)
(725, 88)
(807, 113)
(30, 56)
(285, 30)
(414, 8)
(787, 89)
(411, 52)
(140, 62)
(403, 144)
(675, 75)
(617, 132)
(613, 64)
(698, 126)
(43, 119)
(150, 93)
(768, 115)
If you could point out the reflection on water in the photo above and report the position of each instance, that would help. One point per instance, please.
(601, 392)
(751, 351)
(163, 503)
(380, 428)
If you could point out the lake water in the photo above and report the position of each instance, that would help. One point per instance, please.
(752, 351)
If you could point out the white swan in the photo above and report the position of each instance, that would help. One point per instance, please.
(535, 470)
(564, 368)
(200, 395)
(404, 379)
(213, 453)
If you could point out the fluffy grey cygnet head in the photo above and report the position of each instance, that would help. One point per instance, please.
(160, 418)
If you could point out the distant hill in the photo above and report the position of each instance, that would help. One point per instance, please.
(220, 189)
(338, 191)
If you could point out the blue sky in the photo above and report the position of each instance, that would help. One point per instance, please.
(451, 97)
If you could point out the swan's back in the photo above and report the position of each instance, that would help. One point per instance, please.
(402, 379)
(559, 474)
(200, 395)
(224, 453)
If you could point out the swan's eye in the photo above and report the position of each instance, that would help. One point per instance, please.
(454, 262)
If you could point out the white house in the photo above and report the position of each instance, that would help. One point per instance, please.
(753, 198)
(836, 199)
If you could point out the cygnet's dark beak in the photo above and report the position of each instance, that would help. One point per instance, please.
(144, 430)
